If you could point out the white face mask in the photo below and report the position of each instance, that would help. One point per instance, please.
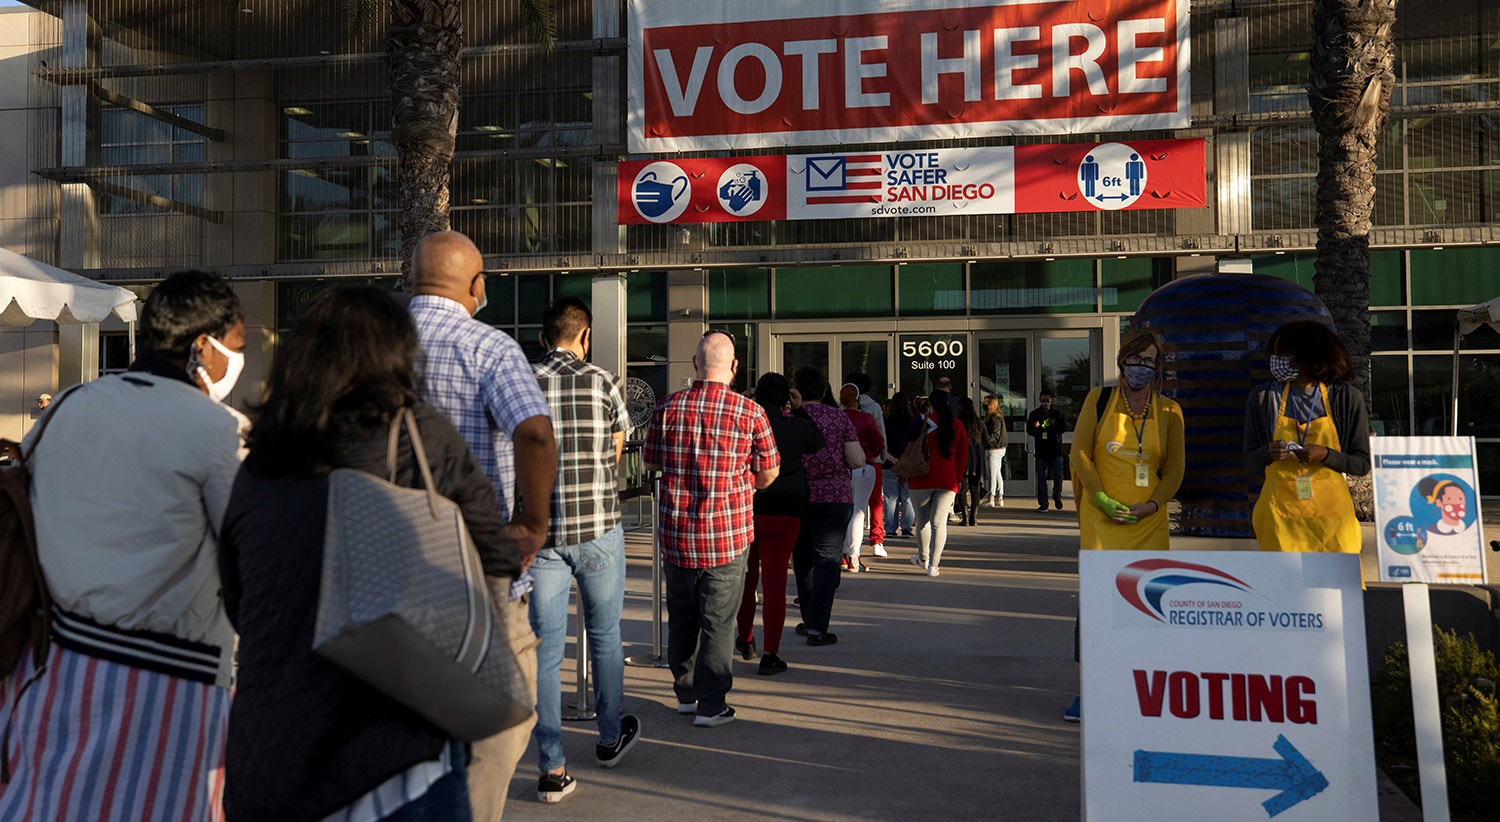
(218, 391)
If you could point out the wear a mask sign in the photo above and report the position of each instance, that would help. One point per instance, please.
(926, 358)
(1427, 510)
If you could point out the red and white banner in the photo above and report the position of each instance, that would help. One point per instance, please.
(1141, 174)
(717, 76)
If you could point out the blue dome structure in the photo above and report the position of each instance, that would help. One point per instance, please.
(1214, 328)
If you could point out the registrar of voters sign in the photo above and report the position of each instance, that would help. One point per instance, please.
(1225, 686)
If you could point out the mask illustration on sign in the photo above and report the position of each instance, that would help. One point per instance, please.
(655, 198)
(1282, 368)
(1138, 376)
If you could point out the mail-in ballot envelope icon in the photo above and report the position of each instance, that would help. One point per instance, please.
(826, 173)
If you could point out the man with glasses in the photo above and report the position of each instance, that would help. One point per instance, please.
(1047, 425)
(480, 379)
(714, 449)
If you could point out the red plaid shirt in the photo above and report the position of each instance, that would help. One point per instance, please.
(710, 442)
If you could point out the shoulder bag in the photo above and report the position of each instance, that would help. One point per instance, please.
(404, 604)
(914, 459)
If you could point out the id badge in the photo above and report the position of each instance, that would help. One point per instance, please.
(1143, 478)
(1304, 488)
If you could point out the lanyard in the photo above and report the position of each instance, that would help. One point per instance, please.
(1303, 426)
(1140, 430)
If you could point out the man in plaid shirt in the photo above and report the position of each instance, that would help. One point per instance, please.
(477, 376)
(714, 449)
(585, 542)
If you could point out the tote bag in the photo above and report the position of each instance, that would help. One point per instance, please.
(404, 605)
(914, 459)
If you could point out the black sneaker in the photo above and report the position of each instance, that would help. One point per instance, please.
(552, 787)
(1058, 503)
(771, 665)
(906, 534)
(746, 649)
(1042, 509)
(801, 629)
(825, 638)
(611, 754)
(723, 717)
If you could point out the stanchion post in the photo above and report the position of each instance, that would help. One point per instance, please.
(583, 704)
(657, 658)
(1426, 709)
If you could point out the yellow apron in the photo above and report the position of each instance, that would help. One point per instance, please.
(1286, 520)
(1121, 443)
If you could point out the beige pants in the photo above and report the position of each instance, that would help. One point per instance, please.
(493, 761)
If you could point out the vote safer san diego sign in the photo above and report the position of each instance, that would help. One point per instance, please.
(1225, 685)
(896, 182)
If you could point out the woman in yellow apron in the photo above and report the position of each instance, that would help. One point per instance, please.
(1127, 461)
(1128, 455)
(1306, 430)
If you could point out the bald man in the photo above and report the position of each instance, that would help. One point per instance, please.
(714, 449)
(479, 377)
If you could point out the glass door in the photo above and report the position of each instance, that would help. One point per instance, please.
(837, 356)
(1016, 366)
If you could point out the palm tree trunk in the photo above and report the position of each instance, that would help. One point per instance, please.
(423, 47)
(1350, 93)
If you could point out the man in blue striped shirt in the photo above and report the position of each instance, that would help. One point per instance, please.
(480, 379)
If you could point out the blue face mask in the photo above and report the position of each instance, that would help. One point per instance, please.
(1138, 376)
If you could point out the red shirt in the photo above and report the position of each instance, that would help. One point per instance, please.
(944, 472)
(710, 442)
(869, 435)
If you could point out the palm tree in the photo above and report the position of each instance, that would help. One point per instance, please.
(1350, 93)
(424, 43)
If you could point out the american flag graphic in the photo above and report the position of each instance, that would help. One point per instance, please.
(844, 178)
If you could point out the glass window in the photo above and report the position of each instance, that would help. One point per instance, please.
(1032, 287)
(1390, 398)
(1388, 331)
(928, 289)
(324, 236)
(500, 296)
(1478, 396)
(1386, 286)
(834, 291)
(293, 296)
(1445, 197)
(1124, 284)
(744, 351)
(739, 293)
(1297, 268)
(533, 291)
(1432, 394)
(646, 296)
(529, 336)
(574, 285)
(647, 343)
(1488, 456)
(1454, 276)
(1433, 330)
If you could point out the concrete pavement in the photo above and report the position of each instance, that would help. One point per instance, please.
(943, 699)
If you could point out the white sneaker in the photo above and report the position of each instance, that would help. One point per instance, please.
(932, 571)
(687, 707)
(878, 549)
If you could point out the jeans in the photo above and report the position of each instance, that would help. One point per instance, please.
(933, 505)
(774, 538)
(815, 560)
(1044, 466)
(446, 800)
(994, 474)
(863, 480)
(701, 606)
(599, 567)
(897, 504)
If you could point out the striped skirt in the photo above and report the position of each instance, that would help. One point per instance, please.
(98, 740)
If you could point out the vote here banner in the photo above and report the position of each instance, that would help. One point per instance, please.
(1143, 174)
(723, 76)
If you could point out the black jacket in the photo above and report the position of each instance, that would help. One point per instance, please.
(796, 435)
(1049, 437)
(305, 737)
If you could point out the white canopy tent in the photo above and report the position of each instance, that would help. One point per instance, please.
(32, 290)
(1470, 320)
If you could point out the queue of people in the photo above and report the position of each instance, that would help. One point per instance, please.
(184, 574)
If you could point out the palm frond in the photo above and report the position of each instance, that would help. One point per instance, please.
(540, 20)
(360, 16)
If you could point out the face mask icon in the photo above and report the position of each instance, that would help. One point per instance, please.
(654, 198)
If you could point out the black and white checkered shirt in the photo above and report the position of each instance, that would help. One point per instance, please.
(588, 409)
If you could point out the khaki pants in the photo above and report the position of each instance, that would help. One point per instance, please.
(493, 761)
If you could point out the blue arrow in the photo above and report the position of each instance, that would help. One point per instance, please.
(1292, 774)
(1102, 197)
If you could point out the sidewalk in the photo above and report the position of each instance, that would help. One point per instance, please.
(943, 699)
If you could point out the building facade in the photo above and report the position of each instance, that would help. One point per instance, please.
(252, 138)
